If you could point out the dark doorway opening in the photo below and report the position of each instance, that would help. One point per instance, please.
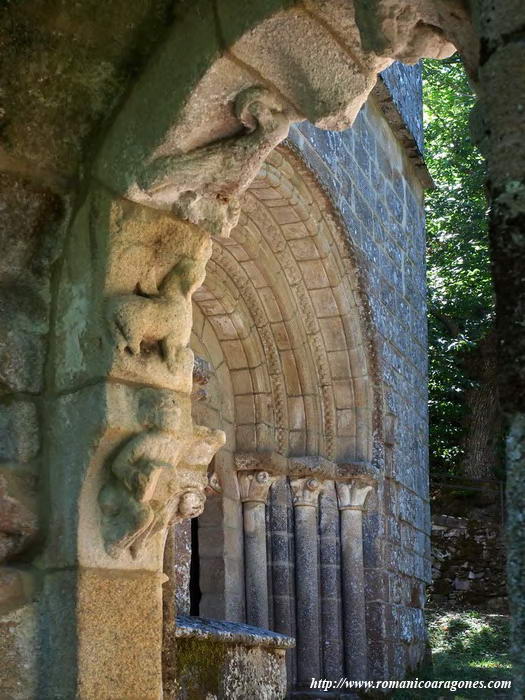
(195, 591)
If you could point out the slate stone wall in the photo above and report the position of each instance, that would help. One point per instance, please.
(380, 200)
(405, 84)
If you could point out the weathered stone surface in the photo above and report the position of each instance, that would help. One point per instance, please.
(68, 66)
(16, 587)
(19, 431)
(29, 216)
(91, 616)
(18, 513)
(227, 660)
(19, 652)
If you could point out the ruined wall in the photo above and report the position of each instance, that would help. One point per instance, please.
(374, 187)
(468, 562)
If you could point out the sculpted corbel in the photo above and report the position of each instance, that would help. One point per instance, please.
(158, 476)
(203, 185)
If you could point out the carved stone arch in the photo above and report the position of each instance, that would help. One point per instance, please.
(298, 259)
(215, 99)
(261, 315)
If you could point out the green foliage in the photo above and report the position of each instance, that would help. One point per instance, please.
(460, 291)
(466, 645)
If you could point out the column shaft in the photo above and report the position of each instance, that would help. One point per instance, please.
(354, 621)
(330, 576)
(307, 593)
(255, 563)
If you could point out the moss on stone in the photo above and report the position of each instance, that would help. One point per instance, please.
(199, 665)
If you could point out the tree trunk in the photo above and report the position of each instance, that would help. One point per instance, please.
(502, 108)
(483, 422)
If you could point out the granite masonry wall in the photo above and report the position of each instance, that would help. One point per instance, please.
(374, 187)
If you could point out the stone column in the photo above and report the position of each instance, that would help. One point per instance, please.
(351, 498)
(254, 487)
(330, 577)
(124, 458)
(305, 499)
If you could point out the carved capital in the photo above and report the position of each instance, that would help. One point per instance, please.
(352, 495)
(305, 491)
(255, 485)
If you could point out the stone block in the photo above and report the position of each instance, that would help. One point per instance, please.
(19, 431)
(376, 585)
(228, 660)
(19, 651)
(378, 660)
(18, 513)
(378, 621)
(93, 614)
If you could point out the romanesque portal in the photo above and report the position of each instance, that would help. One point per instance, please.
(212, 325)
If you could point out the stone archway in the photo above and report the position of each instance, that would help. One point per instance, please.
(120, 453)
(281, 308)
(282, 324)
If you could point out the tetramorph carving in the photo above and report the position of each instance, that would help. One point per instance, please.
(150, 328)
(157, 476)
(203, 185)
(138, 321)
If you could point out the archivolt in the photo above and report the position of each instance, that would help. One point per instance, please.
(281, 307)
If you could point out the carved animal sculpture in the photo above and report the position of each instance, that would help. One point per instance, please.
(126, 500)
(164, 319)
(203, 185)
(134, 504)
